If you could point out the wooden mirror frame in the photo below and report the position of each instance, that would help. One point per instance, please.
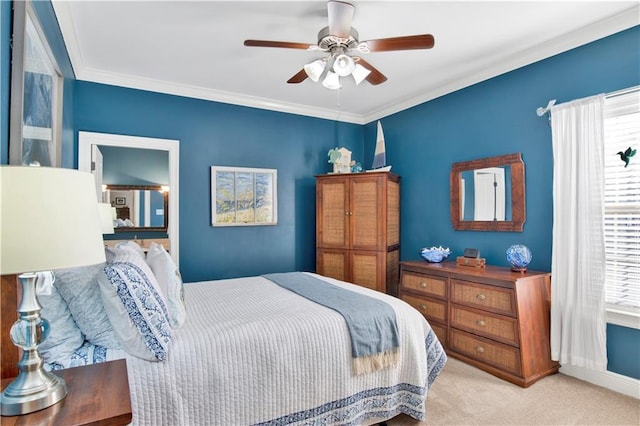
(518, 210)
(165, 196)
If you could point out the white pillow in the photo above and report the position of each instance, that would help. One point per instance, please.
(124, 245)
(170, 281)
(79, 288)
(135, 306)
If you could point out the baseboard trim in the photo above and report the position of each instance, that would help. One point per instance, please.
(610, 380)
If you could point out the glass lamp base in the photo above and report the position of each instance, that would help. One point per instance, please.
(32, 391)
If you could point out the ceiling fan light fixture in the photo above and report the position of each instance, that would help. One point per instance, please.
(360, 73)
(315, 69)
(331, 81)
(343, 65)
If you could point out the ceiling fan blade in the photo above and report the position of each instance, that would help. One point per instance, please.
(376, 77)
(299, 77)
(340, 18)
(422, 41)
(283, 44)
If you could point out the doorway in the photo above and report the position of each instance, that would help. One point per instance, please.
(88, 140)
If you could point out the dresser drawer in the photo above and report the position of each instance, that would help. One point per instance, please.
(431, 309)
(427, 284)
(502, 328)
(495, 299)
(499, 355)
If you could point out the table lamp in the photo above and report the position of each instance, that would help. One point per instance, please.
(106, 217)
(49, 220)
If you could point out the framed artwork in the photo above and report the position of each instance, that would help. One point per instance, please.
(243, 196)
(121, 201)
(36, 94)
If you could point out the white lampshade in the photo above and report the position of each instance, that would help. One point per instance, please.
(331, 81)
(360, 73)
(344, 65)
(314, 69)
(106, 217)
(49, 219)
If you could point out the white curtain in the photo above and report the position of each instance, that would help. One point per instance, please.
(578, 318)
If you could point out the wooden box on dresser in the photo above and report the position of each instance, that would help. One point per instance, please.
(358, 228)
(492, 318)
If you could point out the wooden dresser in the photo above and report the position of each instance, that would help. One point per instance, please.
(358, 229)
(492, 318)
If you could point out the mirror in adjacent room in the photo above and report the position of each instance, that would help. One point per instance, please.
(488, 194)
(138, 207)
(136, 171)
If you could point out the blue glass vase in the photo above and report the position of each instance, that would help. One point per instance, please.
(518, 257)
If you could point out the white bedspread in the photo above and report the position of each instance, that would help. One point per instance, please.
(252, 352)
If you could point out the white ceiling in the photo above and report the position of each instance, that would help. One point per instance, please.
(196, 49)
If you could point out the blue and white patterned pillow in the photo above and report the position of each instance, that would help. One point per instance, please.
(136, 308)
(87, 354)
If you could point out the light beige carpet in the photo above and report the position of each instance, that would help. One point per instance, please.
(465, 395)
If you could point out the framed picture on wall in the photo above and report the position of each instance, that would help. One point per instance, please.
(243, 196)
(120, 201)
(36, 94)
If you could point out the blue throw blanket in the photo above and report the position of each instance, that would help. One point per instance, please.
(371, 322)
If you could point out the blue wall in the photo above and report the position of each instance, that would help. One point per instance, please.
(227, 135)
(498, 117)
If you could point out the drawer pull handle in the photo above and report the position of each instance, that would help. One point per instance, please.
(480, 349)
(481, 323)
(423, 307)
(423, 285)
(481, 296)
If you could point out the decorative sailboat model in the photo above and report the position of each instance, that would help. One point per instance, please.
(379, 158)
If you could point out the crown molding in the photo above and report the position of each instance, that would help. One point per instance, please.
(178, 89)
(606, 27)
(590, 33)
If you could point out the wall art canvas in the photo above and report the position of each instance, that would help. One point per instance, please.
(243, 196)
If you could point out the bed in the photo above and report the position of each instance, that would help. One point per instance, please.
(248, 351)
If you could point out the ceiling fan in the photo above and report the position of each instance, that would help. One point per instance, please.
(340, 40)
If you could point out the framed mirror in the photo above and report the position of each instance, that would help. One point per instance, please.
(488, 194)
(139, 207)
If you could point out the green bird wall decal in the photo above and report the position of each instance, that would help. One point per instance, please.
(626, 156)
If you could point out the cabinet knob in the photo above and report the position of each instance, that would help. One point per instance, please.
(423, 285)
(423, 307)
(481, 296)
(481, 323)
(480, 349)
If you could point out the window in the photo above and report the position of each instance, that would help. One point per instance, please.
(622, 202)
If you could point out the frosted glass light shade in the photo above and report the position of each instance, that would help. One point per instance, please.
(49, 219)
(360, 73)
(344, 65)
(314, 69)
(331, 81)
(106, 217)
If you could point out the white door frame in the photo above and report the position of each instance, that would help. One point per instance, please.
(86, 139)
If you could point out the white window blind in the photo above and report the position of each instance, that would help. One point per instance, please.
(622, 201)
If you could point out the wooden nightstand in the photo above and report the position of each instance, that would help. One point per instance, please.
(98, 396)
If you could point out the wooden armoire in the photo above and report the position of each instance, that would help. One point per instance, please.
(358, 229)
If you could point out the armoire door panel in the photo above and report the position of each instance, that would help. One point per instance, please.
(332, 214)
(333, 263)
(366, 217)
(367, 268)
